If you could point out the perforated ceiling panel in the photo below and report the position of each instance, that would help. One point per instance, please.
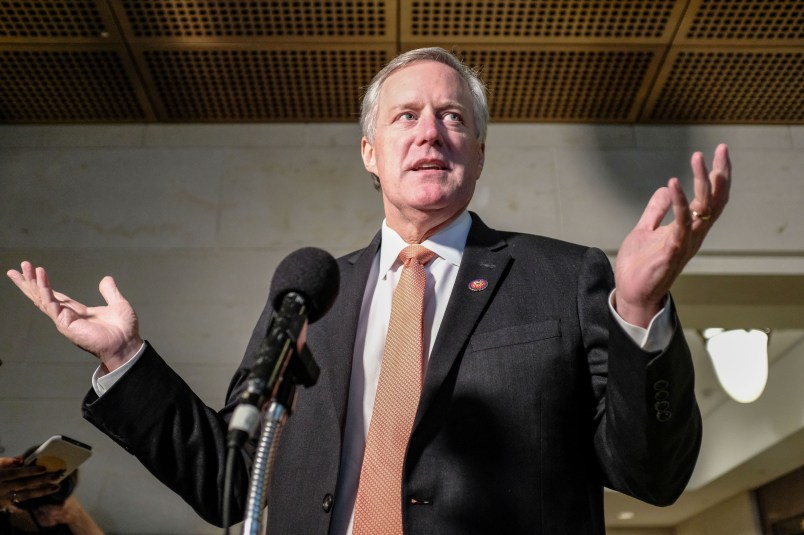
(704, 85)
(686, 61)
(240, 84)
(779, 22)
(564, 83)
(354, 20)
(546, 21)
(80, 85)
(74, 20)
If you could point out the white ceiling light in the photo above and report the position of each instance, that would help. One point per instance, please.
(740, 358)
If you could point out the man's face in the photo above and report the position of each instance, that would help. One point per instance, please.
(425, 150)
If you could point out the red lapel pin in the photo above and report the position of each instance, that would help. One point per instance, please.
(478, 285)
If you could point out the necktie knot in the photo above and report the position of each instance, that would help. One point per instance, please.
(422, 255)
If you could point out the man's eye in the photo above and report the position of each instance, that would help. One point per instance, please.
(453, 116)
(407, 116)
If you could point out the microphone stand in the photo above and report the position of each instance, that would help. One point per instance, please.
(299, 370)
(275, 418)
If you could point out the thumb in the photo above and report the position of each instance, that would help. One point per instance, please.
(108, 289)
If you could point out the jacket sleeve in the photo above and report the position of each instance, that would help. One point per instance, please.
(648, 427)
(154, 415)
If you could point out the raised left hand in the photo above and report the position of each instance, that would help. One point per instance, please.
(653, 255)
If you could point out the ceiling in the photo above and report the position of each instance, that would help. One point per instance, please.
(636, 61)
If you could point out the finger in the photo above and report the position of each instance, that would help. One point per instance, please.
(28, 271)
(8, 462)
(108, 289)
(681, 208)
(720, 178)
(48, 295)
(29, 493)
(23, 279)
(35, 482)
(15, 276)
(21, 474)
(20, 490)
(721, 163)
(701, 185)
(47, 300)
(654, 212)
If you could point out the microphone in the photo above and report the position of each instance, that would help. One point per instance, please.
(304, 287)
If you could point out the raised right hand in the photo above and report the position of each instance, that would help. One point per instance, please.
(109, 332)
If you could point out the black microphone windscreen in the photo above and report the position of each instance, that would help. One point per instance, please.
(311, 272)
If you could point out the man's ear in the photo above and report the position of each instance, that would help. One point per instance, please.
(369, 160)
(481, 159)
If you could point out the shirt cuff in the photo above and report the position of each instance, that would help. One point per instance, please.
(659, 333)
(102, 382)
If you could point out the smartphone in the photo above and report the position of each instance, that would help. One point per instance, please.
(60, 454)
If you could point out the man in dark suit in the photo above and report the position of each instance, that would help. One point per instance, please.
(541, 383)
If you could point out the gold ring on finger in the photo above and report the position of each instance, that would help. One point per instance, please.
(702, 217)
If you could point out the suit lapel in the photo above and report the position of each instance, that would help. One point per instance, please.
(343, 324)
(484, 260)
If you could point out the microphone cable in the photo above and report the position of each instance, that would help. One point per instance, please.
(231, 454)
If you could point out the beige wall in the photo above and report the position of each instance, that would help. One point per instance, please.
(640, 531)
(735, 516)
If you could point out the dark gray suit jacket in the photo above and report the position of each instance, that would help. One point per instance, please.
(534, 400)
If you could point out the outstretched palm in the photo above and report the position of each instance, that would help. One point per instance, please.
(109, 332)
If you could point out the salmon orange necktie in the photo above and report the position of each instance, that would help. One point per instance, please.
(378, 508)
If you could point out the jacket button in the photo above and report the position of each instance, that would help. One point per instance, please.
(327, 503)
(664, 416)
(661, 384)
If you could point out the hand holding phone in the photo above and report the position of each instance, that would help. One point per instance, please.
(60, 454)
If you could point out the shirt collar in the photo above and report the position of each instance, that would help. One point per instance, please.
(448, 243)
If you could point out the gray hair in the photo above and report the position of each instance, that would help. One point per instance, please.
(368, 111)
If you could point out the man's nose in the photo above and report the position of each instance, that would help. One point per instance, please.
(429, 131)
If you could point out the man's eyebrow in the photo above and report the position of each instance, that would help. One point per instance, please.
(413, 104)
(405, 104)
(453, 104)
